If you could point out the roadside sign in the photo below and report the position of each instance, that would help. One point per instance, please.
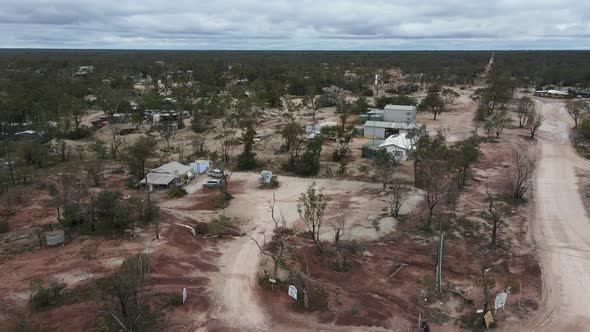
(293, 292)
(488, 318)
(274, 281)
(183, 295)
(500, 301)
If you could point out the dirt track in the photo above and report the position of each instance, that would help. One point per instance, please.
(561, 228)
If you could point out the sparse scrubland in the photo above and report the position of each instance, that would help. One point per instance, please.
(367, 242)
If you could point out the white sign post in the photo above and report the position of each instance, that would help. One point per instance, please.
(500, 301)
(183, 295)
(293, 292)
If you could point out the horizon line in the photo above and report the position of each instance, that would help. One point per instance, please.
(289, 50)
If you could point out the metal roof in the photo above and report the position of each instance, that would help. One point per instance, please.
(174, 168)
(399, 107)
(392, 125)
(399, 140)
(158, 179)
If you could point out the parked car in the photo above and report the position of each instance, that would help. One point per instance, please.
(216, 173)
(212, 183)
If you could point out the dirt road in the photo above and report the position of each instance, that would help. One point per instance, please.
(561, 228)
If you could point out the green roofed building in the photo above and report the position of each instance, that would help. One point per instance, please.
(370, 148)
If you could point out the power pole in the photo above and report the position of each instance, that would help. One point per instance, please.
(439, 264)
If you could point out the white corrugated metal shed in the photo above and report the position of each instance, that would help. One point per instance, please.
(399, 140)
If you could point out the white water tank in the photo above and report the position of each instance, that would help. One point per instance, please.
(55, 237)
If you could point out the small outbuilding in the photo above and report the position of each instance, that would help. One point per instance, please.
(400, 146)
(200, 166)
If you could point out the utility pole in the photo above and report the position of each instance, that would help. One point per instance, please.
(439, 264)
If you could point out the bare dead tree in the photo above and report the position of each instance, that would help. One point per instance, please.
(535, 121)
(519, 174)
(127, 290)
(62, 149)
(226, 138)
(310, 102)
(198, 144)
(275, 248)
(64, 191)
(436, 188)
(496, 214)
(576, 110)
(524, 107)
(397, 194)
(167, 134)
(339, 226)
(311, 207)
(116, 140)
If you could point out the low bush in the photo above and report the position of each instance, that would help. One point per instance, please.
(131, 183)
(221, 201)
(176, 192)
(273, 184)
(46, 298)
(368, 93)
(219, 224)
(336, 266)
(80, 133)
(175, 299)
(201, 228)
(4, 227)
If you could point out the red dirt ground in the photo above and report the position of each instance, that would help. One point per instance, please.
(178, 260)
(364, 296)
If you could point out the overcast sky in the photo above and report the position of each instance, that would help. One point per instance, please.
(290, 24)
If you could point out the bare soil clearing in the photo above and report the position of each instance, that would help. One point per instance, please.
(236, 286)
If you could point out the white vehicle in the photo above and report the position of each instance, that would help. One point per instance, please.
(216, 173)
(212, 183)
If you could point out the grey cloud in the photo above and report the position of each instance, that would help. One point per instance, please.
(291, 24)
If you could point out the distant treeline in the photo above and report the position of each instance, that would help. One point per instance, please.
(446, 66)
(540, 68)
(537, 67)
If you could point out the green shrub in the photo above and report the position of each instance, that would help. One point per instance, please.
(175, 299)
(368, 93)
(72, 215)
(354, 309)
(176, 192)
(118, 171)
(4, 227)
(46, 298)
(584, 129)
(380, 102)
(273, 184)
(221, 201)
(219, 224)
(80, 133)
(335, 266)
(327, 100)
(130, 183)
(201, 228)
